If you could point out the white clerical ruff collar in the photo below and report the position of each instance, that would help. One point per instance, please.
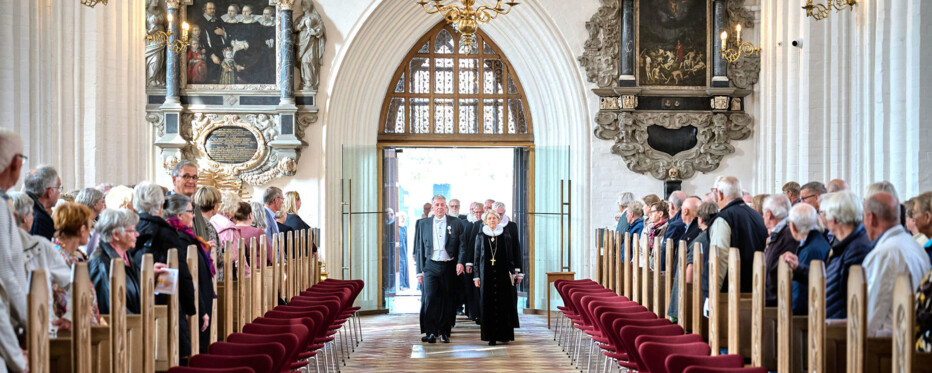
(471, 218)
(504, 221)
(266, 22)
(489, 232)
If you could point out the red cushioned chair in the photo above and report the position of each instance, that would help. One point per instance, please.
(258, 363)
(297, 330)
(274, 350)
(637, 328)
(210, 370)
(654, 354)
(724, 370)
(290, 341)
(677, 363)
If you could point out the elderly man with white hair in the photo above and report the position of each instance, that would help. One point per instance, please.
(44, 187)
(736, 225)
(805, 228)
(780, 241)
(894, 252)
(842, 213)
(12, 272)
(623, 201)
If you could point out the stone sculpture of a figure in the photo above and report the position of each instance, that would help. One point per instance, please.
(311, 42)
(155, 54)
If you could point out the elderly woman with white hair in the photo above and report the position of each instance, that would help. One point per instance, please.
(40, 253)
(94, 200)
(156, 237)
(805, 228)
(843, 212)
(117, 231)
(494, 258)
(222, 222)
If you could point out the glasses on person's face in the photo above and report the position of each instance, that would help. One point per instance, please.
(808, 197)
(454, 206)
(190, 211)
(187, 177)
(22, 156)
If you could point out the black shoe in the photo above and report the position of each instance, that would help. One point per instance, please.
(444, 338)
(430, 338)
(491, 343)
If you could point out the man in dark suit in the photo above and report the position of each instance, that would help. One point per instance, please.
(215, 39)
(471, 227)
(437, 246)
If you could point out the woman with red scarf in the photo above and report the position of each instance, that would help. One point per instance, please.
(180, 215)
(659, 213)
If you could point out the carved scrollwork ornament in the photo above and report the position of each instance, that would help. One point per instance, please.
(156, 120)
(173, 4)
(286, 4)
(601, 57)
(744, 72)
(714, 133)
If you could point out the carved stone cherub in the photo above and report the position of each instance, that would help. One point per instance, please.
(673, 173)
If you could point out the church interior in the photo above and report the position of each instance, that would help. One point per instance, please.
(324, 185)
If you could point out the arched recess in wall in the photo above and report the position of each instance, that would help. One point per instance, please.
(557, 98)
(443, 92)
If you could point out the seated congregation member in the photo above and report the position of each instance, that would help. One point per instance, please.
(494, 259)
(12, 276)
(921, 212)
(805, 228)
(258, 215)
(119, 197)
(208, 200)
(40, 253)
(676, 227)
(72, 229)
(94, 200)
(920, 238)
(757, 203)
(842, 211)
(247, 229)
(273, 200)
(924, 314)
(658, 227)
(689, 211)
(156, 237)
(623, 202)
(44, 187)
(117, 230)
(180, 215)
(226, 229)
(894, 252)
(736, 225)
(291, 207)
(791, 191)
(780, 241)
(635, 212)
(280, 217)
(706, 214)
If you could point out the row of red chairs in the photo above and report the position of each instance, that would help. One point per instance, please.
(288, 337)
(630, 337)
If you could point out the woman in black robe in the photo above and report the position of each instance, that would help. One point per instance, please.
(494, 258)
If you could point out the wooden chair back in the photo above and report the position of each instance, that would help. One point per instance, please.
(757, 308)
(626, 265)
(194, 321)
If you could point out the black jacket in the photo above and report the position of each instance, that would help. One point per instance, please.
(156, 237)
(295, 222)
(99, 270)
(517, 254)
(42, 224)
(470, 231)
(748, 234)
(424, 241)
(205, 283)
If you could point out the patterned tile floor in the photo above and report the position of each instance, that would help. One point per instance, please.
(392, 344)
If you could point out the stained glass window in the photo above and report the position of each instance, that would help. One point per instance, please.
(444, 89)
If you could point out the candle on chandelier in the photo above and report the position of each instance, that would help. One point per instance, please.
(184, 28)
(170, 18)
(738, 28)
(724, 38)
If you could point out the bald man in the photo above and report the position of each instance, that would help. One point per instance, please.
(689, 212)
(894, 251)
(836, 185)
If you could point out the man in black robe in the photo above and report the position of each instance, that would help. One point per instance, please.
(437, 247)
(214, 40)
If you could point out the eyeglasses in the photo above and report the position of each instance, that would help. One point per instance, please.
(189, 177)
(22, 156)
(58, 188)
(455, 206)
(189, 211)
(808, 197)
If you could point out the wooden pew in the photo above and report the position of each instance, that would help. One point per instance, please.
(697, 298)
(757, 308)
(792, 331)
(225, 297)
(37, 331)
(681, 287)
(656, 290)
(239, 308)
(714, 303)
(636, 269)
(214, 322)
(194, 321)
(275, 272)
(118, 341)
(610, 254)
(147, 306)
(667, 277)
(619, 267)
(600, 259)
(168, 331)
(905, 357)
(626, 276)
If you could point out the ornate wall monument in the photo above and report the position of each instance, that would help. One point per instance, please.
(668, 100)
(229, 101)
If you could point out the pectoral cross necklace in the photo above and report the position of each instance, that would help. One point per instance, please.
(494, 249)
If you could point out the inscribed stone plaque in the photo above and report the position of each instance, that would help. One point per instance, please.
(231, 145)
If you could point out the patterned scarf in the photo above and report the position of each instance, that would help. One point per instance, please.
(176, 223)
(654, 230)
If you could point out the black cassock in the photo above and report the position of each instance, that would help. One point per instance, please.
(499, 312)
(470, 294)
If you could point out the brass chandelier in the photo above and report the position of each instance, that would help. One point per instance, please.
(92, 3)
(746, 48)
(821, 11)
(466, 19)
